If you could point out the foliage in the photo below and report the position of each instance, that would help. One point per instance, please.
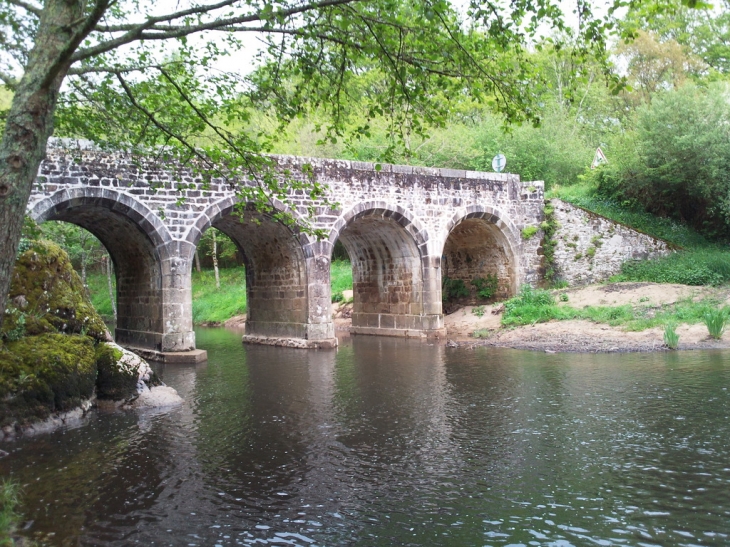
(715, 321)
(529, 231)
(548, 244)
(682, 166)
(478, 311)
(486, 286)
(671, 338)
(451, 289)
(9, 516)
(702, 267)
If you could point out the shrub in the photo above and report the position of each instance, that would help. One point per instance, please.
(478, 311)
(452, 289)
(715, 320)
(682, 169)
(486, 286)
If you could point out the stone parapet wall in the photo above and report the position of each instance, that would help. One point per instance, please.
(591, 248)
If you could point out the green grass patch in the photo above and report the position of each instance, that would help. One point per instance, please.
(209, 303)
(702, 267)
(539, 306)
(99, 293)
(214, 305)
(341, 276)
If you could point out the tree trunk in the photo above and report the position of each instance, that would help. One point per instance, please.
(112, 296)
(197, 261)
(215, 262)
(30, 123)
(83, 270)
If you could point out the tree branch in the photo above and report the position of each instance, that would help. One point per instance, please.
(137, 32)
(27, 7)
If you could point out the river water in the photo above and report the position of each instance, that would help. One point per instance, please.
(395, 442)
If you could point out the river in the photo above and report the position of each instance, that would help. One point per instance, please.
(396, 442)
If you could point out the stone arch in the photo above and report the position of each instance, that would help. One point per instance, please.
(136, 239)
(388, 249)
(479, 242)
(276, 270)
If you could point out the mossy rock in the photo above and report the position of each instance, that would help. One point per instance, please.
(47, 295)
(117, 380)
(43, 374)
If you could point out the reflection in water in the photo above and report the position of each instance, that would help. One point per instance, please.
(397, 442)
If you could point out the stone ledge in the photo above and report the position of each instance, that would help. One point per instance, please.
(172, 357)
(299, 343)
(402, 333)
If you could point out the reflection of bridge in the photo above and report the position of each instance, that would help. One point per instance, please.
(403, 227)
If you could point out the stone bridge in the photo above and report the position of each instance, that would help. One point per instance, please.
(404, 229)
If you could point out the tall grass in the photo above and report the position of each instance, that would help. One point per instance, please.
(702, 267)
(9, 516)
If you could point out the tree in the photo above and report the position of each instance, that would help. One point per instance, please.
(680, 163)
(110, 54)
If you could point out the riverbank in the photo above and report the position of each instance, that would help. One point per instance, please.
(629, 309)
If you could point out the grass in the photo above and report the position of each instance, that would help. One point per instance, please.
(539, 306)
(341, 276)
(9, 500)
(701, 267)
(213, 305)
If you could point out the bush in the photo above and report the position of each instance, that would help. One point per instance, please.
(682, 169)
(452, 289)
(486, 286)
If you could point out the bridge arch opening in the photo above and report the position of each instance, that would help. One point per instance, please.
(132, 240)
(276, 274)
(478, 262)
(384, 247)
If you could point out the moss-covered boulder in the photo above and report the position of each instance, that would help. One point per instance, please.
(117, 379)
(47, 373)
(47, 295)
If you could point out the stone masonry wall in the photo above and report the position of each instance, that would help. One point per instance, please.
(591, 248)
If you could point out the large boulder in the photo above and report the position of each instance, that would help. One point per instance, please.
(43, 374)
(47, 295)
